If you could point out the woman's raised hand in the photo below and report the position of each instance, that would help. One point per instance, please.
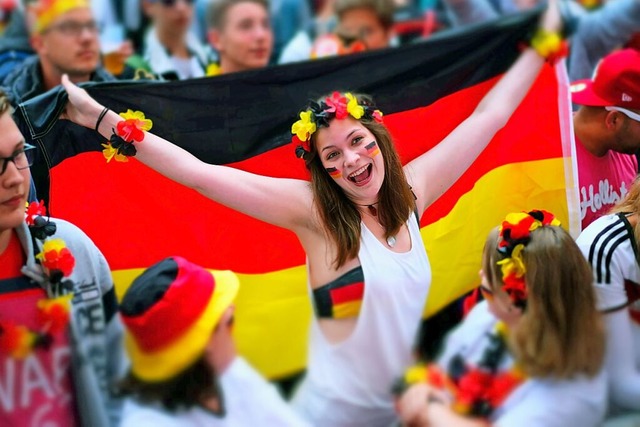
(551, 20)
(81, 108)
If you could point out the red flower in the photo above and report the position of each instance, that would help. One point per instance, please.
(377, 116)
(53, 314)
(337, 104)
(515, 287)
(15, 340)
(503, 384)
(436, 377)
(35, 209)
(129, 131)
(520, 230)
(473, 386)
(56, 256)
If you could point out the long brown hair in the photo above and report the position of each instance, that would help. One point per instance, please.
(340, 215)
(560, 333)
(631, 204)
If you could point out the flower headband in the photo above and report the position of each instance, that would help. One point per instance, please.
(514, 235)
(337, 106)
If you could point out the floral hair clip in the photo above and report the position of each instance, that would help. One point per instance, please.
(514, 235)
(318, 115)
(127, 132)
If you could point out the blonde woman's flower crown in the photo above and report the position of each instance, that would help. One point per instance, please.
(514, 235)
(317, 115)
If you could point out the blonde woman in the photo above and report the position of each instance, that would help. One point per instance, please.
(531, 354)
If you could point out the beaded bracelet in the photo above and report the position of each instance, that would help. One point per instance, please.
(121, 143)
(549, 44)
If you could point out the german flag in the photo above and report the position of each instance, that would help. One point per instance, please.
(138, 217)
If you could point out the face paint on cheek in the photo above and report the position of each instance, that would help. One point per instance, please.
(334, 173)
(372, 149)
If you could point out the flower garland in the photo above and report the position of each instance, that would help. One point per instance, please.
(475, 390)
(57, 262)
(336, 106)
(127, 132)
(514, 235)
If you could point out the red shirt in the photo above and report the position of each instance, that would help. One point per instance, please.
(36, 390)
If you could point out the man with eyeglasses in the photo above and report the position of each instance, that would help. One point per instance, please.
(607, 132)
(64, 35)
(60, 338)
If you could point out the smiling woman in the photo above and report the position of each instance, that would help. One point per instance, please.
(367, 267)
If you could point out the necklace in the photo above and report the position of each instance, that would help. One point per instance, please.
(373, 212)
(391, 241)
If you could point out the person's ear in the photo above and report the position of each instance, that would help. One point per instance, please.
(213, 36)
(226, 320)
(147, 8)
(36, 42)
(613, 120)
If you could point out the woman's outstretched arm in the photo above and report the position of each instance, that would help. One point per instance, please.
(432, 173)
(283, 202)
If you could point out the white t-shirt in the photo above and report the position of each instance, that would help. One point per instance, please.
(536, 402)
(609, 245)
(249, 401)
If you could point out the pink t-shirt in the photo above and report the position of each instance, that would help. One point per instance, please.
(35, 390)
(603, 181)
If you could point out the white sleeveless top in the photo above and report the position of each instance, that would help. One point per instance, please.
(349, 383)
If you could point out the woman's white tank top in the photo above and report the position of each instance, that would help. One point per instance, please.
(349, 383)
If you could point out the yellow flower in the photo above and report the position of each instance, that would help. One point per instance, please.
(304, 127)
(515, 264)
(213, 69)
(415, 374)
(53, 245)
(63, 301)
(110, 153)
(141, 121)
(353, 107)
(546, 43)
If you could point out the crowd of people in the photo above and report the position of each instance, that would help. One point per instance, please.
(554, 340)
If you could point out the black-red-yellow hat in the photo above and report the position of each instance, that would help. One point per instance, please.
(170, 312)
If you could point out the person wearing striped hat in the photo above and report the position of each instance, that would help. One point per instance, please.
(185, 369)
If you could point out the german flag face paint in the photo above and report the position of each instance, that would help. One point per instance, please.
(335, 173)
(372, 149)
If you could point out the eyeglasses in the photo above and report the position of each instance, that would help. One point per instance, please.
(170, 3)
(22, 159)
(632, 115)
(74, 29)
(486, 293)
